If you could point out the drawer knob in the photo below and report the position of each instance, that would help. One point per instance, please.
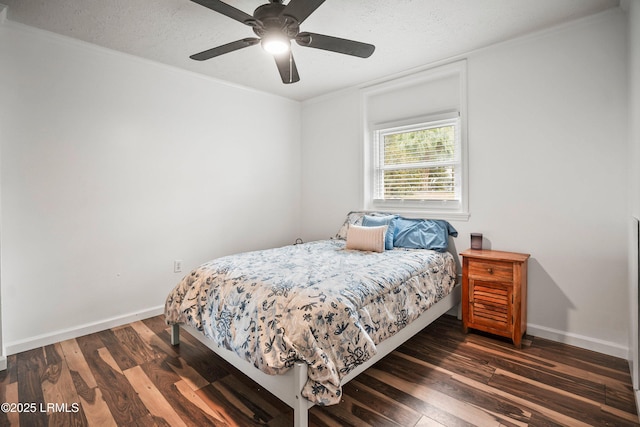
(490, 270)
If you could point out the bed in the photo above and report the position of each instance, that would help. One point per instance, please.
(302, 320)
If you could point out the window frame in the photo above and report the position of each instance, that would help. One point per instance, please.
(413, 125)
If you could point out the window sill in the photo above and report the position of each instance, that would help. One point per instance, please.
(428, 213)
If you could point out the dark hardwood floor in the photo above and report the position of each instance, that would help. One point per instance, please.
(132, 376)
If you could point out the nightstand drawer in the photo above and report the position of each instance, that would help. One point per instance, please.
(491, 270)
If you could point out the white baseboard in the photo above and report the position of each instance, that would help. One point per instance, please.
(3, 363)
(601, 346)
(75, 332)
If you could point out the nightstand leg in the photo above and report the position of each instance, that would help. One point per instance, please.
(517, 340)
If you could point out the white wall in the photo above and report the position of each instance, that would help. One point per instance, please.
(3, 357)
(548, 170)
(113, 167)
(634, 179)
(331, 163)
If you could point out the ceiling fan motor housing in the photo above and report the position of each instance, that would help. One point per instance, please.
(269, 18)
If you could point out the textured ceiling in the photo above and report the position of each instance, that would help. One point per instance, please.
(407, 34)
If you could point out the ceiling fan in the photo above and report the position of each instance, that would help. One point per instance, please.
(276, 25)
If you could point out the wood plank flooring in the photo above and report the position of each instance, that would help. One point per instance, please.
(132, 376)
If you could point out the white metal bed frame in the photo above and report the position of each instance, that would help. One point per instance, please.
(288, 386)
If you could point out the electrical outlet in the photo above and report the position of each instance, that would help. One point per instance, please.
(177, 266)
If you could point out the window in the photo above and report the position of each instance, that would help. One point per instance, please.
(416, 165)
(415, 144)
(418, 162)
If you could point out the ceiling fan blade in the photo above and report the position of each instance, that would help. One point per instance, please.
(225, 9)
(301, 9)
(225, 48)
(287, 68)
(335, 44)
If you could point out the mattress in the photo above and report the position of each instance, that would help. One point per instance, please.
(315, 302)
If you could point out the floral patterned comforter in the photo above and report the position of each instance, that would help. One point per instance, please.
(316, 302)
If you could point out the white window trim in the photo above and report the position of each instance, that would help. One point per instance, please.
(444, 210)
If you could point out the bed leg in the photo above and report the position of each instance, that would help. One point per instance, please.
(301, 408)
(300, 417)
(175, 334)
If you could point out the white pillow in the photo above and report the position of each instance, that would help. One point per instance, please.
(366, 238)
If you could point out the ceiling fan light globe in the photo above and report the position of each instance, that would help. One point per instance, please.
(276, 45)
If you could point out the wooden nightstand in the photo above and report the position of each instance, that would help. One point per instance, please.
(494, 293)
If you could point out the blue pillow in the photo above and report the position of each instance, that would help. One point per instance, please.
(388, 220)
(423, 234)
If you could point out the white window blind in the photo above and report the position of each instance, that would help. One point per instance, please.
(418, 162)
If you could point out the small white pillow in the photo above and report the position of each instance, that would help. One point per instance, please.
(366, 238)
